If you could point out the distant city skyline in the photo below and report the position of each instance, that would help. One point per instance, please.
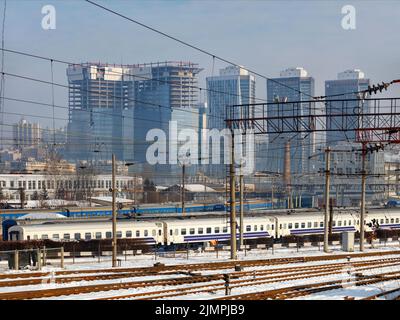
(310, 36)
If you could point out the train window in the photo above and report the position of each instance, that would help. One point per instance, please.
(309, 224)
(381, 221)
(358, 222)
(290, 225)
(137, 233)
(225, 229)
(88, 236)
(397, 220)
(349, 222)
(45, 236)
(267, 226)
(387, 220)
(159, 232)
(208, 230)
(321, 224)
(339, 223)
(248, 228)
(154, 232)
(296, 225)
(262, 227)
(77, 236)
(119, 234)
(171, 232)
(67, 236)
(392, 220)
(28, 238)
(176, 232)
(146, 233)
(56, 236)
(272, 226)
(191, 231)
(108, 235)
(128, 234)
(183, 231)
(284, 226)
(255, 227)
(280, 226)
(216, 230)
(344, 222)
(303, 225)
(98, 235)
(200, 231)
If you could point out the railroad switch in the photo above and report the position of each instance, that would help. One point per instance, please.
(238, 267)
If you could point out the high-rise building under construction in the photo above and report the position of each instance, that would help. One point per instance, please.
(113, 107)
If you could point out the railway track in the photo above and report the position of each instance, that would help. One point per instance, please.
(304, 290)
(213, 288)
(217, 285)
(395, 292)
(202, 266)
(38, 278)
(213, 282)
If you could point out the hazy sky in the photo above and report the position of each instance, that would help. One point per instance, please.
(266, 36)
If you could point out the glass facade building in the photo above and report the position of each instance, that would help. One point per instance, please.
(294, 84)
(112, 108)
(163, 92)
(347, 82)
(98, 96)
(233, 86)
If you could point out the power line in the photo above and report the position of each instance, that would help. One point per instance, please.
(132, 75)
(214, 56)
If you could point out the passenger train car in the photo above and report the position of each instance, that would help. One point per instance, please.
(200, 230)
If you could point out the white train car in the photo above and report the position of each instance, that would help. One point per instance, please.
(386, 218)
(298, 224)
(204, 230)
(311, 223)
(201, 230)
(149, 232)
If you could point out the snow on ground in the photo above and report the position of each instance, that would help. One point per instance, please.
(146, 260)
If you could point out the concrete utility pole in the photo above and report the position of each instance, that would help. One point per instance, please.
(233, 199)
(241, 209)
(327, 184)
(183, 190)
(363, 185)
(114, 216)
(286, 175)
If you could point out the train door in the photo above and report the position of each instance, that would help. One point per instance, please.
(164, 235)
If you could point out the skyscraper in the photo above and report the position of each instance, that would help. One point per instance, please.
(348, 81)
(164, 92)
(233, 86)
(113, 107)
(26, 134)
(294, 84)
(99, 94)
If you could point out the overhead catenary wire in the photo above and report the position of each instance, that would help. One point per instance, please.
(185, 43)
(53, 83)
(142, 77)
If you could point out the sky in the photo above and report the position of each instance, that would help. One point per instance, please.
(265, 36)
